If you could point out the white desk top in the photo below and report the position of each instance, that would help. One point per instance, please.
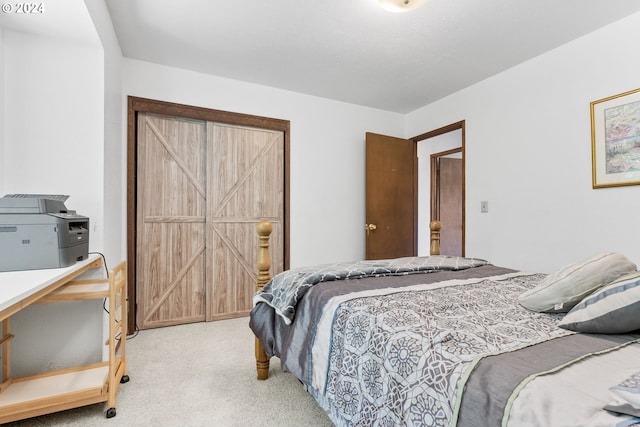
(15, 286)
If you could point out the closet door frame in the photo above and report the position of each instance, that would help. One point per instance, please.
(135, 105)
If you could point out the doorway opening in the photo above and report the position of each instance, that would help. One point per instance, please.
(447, 142)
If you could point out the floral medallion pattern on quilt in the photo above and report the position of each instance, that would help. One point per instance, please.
(398, 359)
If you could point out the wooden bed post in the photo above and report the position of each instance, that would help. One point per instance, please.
(435, 227)
(264, 229)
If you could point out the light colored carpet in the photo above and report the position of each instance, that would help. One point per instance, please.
(201, 374)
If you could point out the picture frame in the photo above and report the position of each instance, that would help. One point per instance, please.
(615, 140)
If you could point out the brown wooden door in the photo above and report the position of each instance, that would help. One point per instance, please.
(170, 221)
(202, 188)
(244, 185)
(450, 205)
(391, 196)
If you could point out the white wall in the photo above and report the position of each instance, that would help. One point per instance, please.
(114, 165)
(2, 109)
(528, 152)
(54, 133)
(114, 150)
(327, 151)
(53, 123)
(56, 336)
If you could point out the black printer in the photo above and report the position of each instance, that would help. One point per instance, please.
(38, 231)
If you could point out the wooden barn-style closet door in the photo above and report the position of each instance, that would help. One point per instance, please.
(245, 184)
(171, 212)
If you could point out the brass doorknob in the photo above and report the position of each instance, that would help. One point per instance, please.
(370, 227)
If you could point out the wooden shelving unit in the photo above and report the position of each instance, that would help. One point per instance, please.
(47, 392)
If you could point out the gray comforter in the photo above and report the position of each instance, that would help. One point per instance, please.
(399, 350)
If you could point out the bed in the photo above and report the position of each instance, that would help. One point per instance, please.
(451, 341)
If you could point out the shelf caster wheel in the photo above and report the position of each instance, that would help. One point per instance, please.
(124, 379)
(111, 412)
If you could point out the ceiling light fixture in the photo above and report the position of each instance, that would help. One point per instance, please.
(401, 5)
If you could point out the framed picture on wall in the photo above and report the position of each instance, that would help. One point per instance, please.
(615, 140)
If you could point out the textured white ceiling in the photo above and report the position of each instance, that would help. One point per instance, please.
(348, 50)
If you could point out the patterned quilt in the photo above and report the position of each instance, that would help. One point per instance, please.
(286, 289)
(401, 358)
(440, 349)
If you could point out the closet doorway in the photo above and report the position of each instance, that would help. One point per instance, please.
(199, 181)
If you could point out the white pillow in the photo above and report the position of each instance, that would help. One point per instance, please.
(560, 291)
(612, 309)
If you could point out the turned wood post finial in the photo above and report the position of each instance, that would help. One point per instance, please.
(264, 229)
(435, 227)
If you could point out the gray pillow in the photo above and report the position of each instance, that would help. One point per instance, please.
(561, 291)
(612, 309)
